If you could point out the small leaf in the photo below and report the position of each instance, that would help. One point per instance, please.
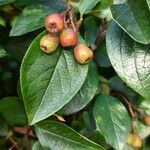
(2, 52)
(54, 135)
(3, 2)
(134, 17)
(48, 82)
(112, 120)
(86, 6)
(130, 59)
(13, 111)
(85, 94)
(33, 16)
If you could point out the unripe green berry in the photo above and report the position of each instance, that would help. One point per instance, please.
(54, 23)
(68, 37)
(49, 43)
(83, 54)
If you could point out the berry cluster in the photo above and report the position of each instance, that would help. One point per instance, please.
(58, 33)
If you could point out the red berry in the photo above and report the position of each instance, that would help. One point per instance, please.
(83, 54)
(54, 23)
(68, 37)
(49, 43)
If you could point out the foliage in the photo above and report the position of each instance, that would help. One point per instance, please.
(50, 101)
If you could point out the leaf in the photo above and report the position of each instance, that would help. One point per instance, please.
(112, 120)
(129, 59)
(90, 33)
(3, 2)
(48, 82)
(33, 16)
(37, 146)
(54, 135)
(133, 16)
(85, 94)
(3, 53)
(13, 111)
(3, 126)
(86, 6)
(101, 55)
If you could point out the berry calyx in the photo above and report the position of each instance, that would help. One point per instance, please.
(146, 120)
(134, 140)
(83, 54)
(49, 43)
(68, 37)
(54, 23)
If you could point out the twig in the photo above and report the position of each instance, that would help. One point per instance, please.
(24, 131)
(14, 144)
(101, 33)
(9, 137)
(132, 109)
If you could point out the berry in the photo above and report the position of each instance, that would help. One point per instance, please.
(68, 37)
(83, 54)
(49, 43)
(54, 23)
(134, 140)
(147, 120)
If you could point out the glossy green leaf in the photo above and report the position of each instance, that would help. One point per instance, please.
(48, 82)
(3, 2)
(37, 146)
(130, 59)
(112, 120)
(134, 17)
(33, 16)
(86, 6)
(3, 53)
(13, 111)
(148, 1)
(91, 33)
(54, 135)
(85, 94)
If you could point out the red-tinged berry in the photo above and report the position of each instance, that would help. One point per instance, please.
(68, 37)
(146, 120)
(49, 43)
(54, 23)
(83, 54)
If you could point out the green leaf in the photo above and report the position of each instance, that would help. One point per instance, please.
(2, 52)
(3, 126)
(86, 6)
(130, 59)
(85, 94)
(3, 2)
(37, 146)
(133, 16)
(112, 120)
(91, 33)
(54, 135)
(48, 82)
(101, 55)
(33, 16)
(13, 111)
